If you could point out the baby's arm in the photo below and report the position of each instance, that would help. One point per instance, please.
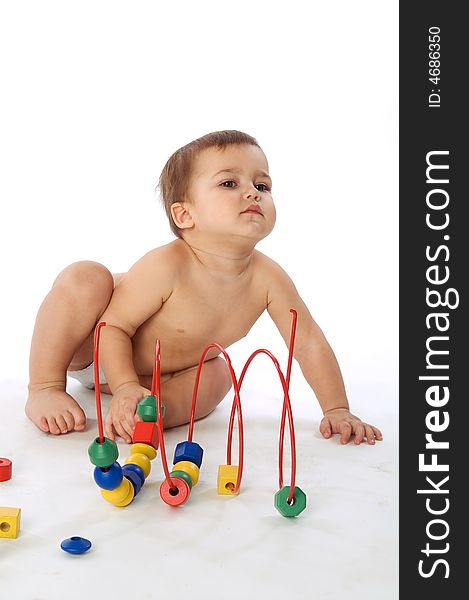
(316, 359)
(139, 295)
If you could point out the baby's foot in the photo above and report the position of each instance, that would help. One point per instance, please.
(54, 411)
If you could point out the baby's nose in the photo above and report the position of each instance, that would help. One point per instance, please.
(253, 194)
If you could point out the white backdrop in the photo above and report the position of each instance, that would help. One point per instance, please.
(97, 95)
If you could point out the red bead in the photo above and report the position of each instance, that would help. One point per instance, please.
(5, 469)
(175, 498)
(146, 432)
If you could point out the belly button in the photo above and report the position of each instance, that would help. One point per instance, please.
(180, 330)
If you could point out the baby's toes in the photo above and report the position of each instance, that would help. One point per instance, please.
(62, 425)
(53, 427)
(43, 424)
(78, 418)
(69, 420)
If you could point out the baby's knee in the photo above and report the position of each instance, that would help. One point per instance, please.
(220, 377)
(87, 280)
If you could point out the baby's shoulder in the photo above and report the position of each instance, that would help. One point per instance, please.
(169, 256)
(265, 266)
(160, 266)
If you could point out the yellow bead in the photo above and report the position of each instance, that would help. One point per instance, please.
(143, 449)
(141, 460)
(227, 478)
(188, 467)
(9, 522)
(129, 498)
(120, 496)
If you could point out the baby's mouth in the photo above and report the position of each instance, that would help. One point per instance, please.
(254, 208)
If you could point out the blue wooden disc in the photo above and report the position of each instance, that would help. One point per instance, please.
(75, 545)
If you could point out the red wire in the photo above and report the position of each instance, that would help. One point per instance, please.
(236, 405)
(99, 413)
(287, 404)
(282, 421)
(156, 388)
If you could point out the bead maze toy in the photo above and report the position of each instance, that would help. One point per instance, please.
(120, 484)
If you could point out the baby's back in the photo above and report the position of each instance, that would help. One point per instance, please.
(202, 306)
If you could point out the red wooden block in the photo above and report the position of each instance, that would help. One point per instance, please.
(146, 432)
(5, 469)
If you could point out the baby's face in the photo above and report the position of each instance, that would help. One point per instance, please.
(230, 192)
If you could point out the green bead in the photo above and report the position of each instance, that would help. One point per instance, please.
(103, 454)
(298, 502)
(183, 475)
(146, 409)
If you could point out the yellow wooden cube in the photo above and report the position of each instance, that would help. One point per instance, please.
(227, 478)
(9, 522)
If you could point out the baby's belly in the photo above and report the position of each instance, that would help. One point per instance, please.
(179, 349)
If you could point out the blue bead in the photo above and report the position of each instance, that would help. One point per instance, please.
(110, 479)
(134, 480)
(75, 545)
(188, 451)
(136, 469)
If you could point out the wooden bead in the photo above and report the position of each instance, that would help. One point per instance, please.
(146, 409)
(189, 451)
(5, 469)
(143, 449)
(182, 475)
(146, 433)
(175, 498)
(109, 479)
(136, 469)
(190, 468)
(103, 454)
(134, 479)
(121, 496)
(9, 522)
(141, 460)
(298, 501)
(227, 478)
(76, 545)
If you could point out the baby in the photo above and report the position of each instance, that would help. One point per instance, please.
(210, 284)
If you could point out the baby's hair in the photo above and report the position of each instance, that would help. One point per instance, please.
(175, 176)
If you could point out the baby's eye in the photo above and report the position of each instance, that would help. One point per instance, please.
(230, 181)
(266, 188)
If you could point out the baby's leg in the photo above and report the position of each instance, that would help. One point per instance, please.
(176, 392)
(61, 338)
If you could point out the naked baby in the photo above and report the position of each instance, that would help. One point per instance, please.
(210, 284)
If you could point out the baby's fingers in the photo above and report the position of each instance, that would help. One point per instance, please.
(128, 423)
(325, 428)
(345, 430)
(369, 434)
(108, 428)
(359, 431)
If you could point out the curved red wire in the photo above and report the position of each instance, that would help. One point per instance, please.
(156, 390)
(286, 407)
(287, 404)
(236, 404)
(282, 420)
(99, 412)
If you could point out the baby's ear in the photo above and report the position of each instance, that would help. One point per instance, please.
(181, 215)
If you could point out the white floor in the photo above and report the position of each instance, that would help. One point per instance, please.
(345, 542)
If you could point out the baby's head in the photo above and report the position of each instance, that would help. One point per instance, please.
(190, 177)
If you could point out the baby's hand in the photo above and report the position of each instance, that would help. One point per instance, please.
(341, 420)
(121, 417)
